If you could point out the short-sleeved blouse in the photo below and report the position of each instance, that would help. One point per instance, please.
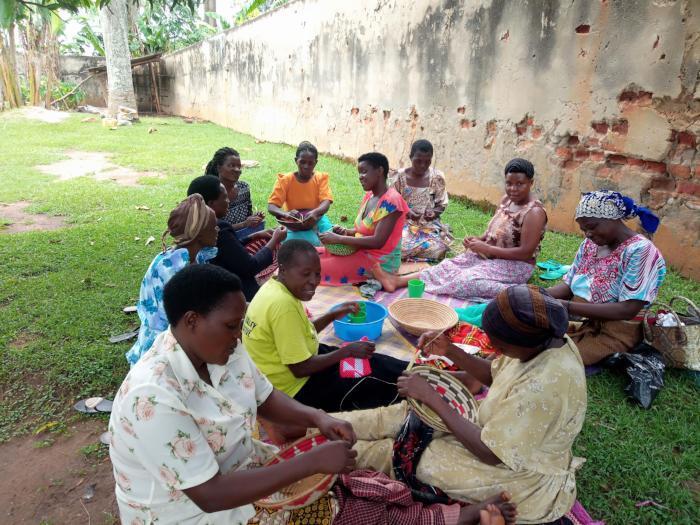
(632, 271)
(388, 203)
(150, 306)
(419, 199)
(171, 431)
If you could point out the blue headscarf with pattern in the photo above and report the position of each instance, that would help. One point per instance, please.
(606, 204)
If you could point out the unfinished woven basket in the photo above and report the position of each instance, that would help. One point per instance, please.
(302, 492)
(451, 390)
(340, 249)
(418, 316)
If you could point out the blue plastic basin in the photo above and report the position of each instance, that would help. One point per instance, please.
(372, 329)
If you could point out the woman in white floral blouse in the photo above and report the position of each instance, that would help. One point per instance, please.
(182, 444)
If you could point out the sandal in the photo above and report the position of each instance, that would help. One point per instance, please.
(549, 264)
(93, 405)
(553, 275)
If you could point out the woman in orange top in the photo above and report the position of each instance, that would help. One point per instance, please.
(301, 199)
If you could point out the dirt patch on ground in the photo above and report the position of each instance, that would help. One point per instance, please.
(21, 221)
(48, 484)
(82, 163)
(23, 339)
(45, 115)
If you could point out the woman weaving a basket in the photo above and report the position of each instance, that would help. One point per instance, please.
(522, 437)
(182, 423)
(616, 273)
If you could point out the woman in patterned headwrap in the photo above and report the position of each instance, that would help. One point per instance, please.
(192, 225)
(526, 426)
(615, 274)
(504, 256)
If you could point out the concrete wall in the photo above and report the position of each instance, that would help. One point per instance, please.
(598, 94)
(73, 68)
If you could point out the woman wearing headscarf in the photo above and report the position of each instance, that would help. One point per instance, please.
(504, 256)
(526, 426)
(192, 225)
(616, 273)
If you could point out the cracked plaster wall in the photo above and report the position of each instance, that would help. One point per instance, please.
(598, 94)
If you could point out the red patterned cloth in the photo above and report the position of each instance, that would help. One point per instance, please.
(372, 498)
(468, 334)
(252, 248)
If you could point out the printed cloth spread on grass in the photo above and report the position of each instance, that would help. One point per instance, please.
(391, 342)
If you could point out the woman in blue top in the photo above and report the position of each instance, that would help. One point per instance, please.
(193, 227)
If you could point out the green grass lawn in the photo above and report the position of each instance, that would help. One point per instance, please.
(62, 292)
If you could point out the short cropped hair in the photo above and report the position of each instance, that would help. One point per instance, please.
(290, 248)
(306, 147)
(208, 186)
(198, 288)
(518, 165)
(422, 145)
(376, 160)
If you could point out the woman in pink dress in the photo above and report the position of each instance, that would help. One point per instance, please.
(376, 233)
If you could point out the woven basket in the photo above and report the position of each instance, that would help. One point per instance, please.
(680, 345)
(305, 491)
(451, 390)
(340, 249)
(418, 316)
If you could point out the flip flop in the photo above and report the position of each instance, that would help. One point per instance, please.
(93, 405)
(123, 337)
(553, 275)
(549, 264)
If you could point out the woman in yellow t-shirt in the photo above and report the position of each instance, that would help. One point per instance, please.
(303, 197)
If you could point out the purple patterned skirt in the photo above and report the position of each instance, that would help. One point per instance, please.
(468, 276)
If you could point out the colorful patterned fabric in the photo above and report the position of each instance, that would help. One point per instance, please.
(150, 306)
(467, 334)
(506, 226)
(424, 240)
(468, 276)
(373, 498)
(632, 271)
(409, 445)
(242, 207)
(253, 247)
(171, 431)
(320, 512)
(613, 205)
(338, 270)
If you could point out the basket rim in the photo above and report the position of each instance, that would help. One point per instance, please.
(454, 318)
(327, 479)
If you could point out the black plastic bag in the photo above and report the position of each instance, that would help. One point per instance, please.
(645, 367)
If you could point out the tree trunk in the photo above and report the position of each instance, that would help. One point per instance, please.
(8, 67)
(115, 28)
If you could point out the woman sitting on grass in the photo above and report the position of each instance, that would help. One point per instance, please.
(615, 274)
(193, 227)
(522, 442)
(425, 237)
(226, 164)
(377, 231)
(504, 256)
(283, 342)
(232, 253)
(182, 424)
(301, 199)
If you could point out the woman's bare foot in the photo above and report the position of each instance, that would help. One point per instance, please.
(491, 516)
(391, 282)
(471, 515)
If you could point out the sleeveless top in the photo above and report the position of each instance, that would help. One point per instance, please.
(505, 228)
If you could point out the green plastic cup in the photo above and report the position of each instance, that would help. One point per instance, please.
(416, 287)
